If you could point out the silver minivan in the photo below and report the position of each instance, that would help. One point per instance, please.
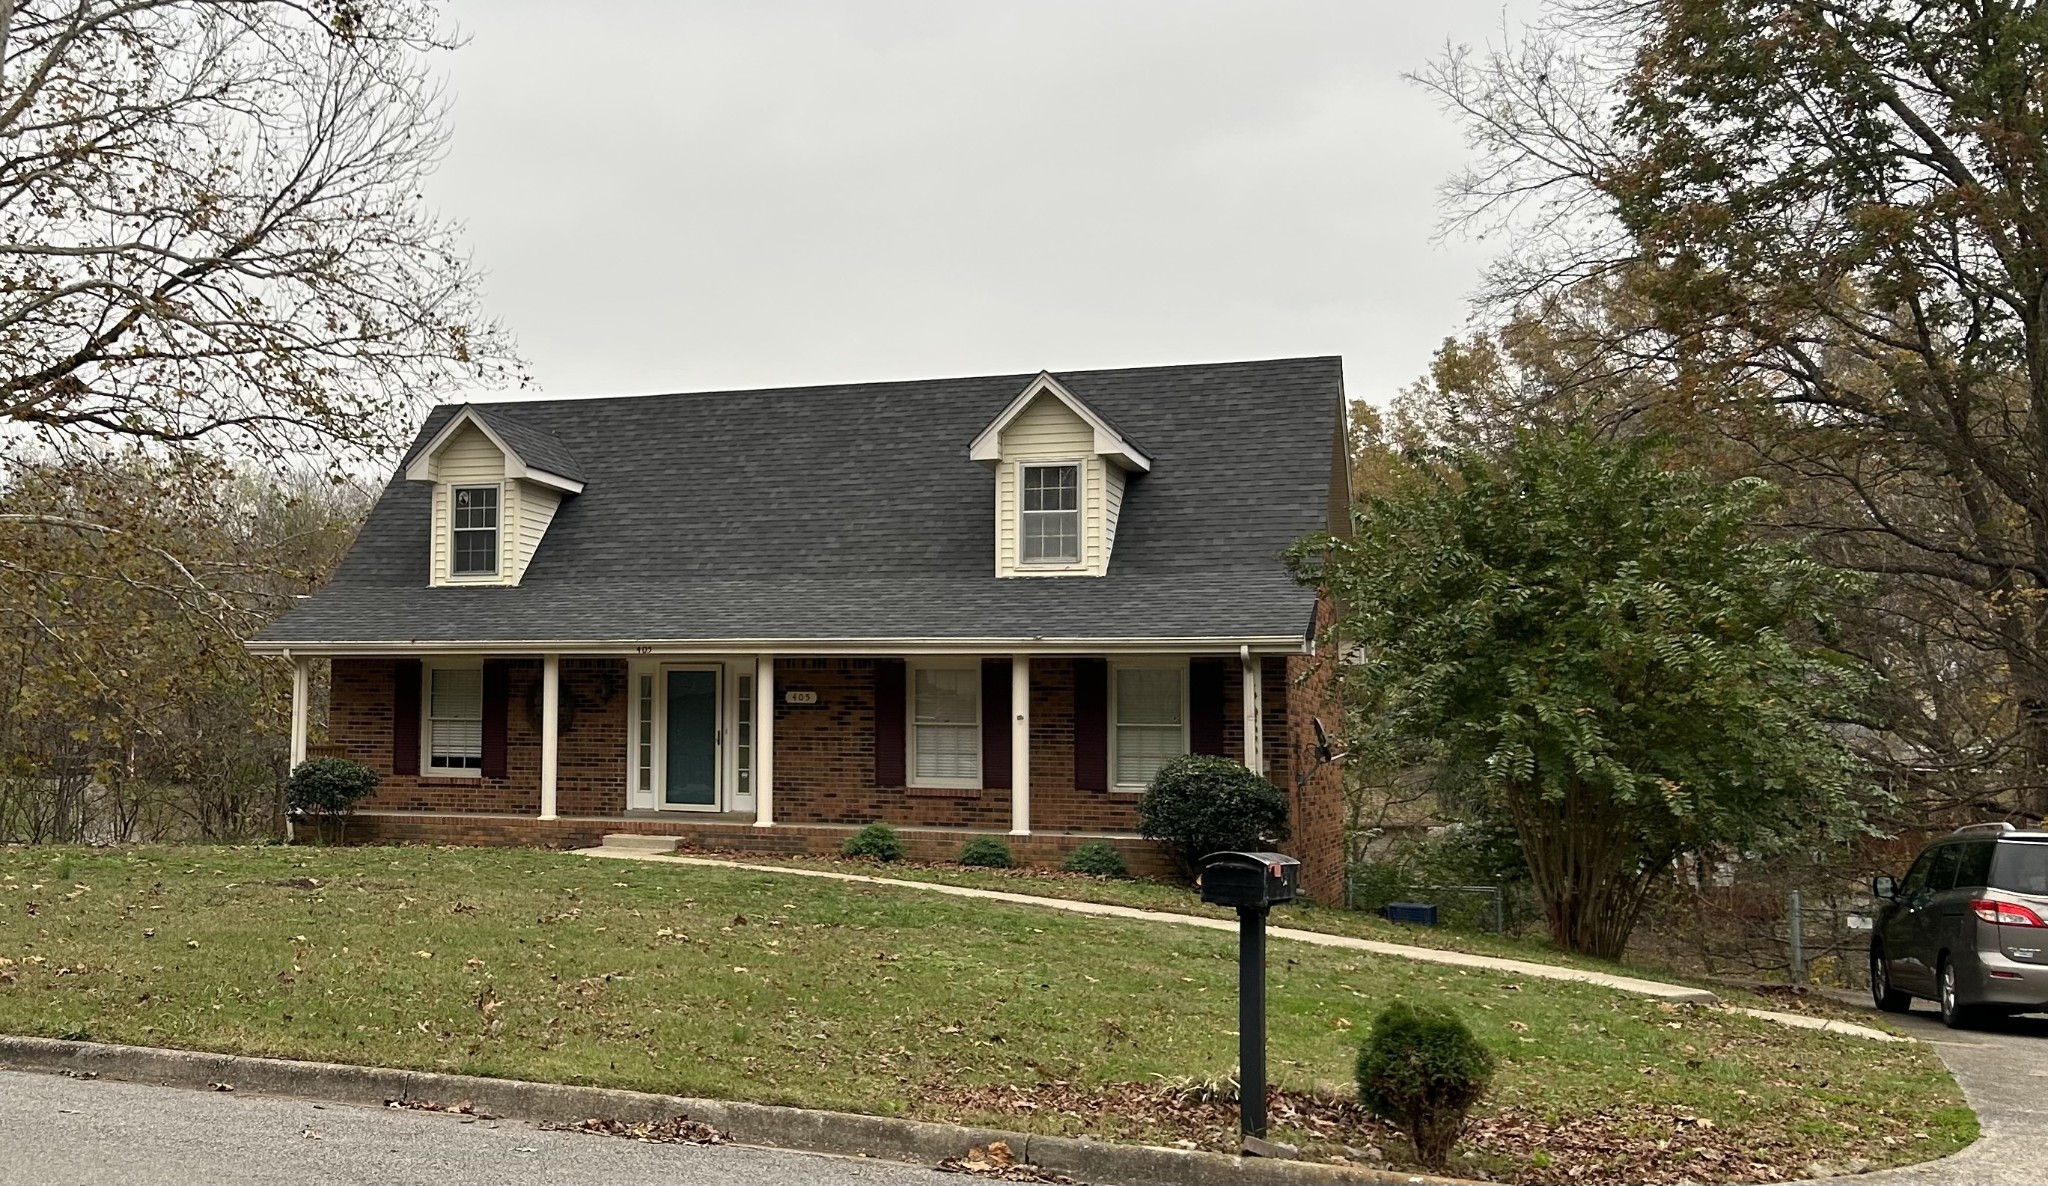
(1967, 927)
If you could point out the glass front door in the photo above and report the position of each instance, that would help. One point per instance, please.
(692, 758)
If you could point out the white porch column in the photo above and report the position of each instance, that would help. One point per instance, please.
(302, 692)
(764, 741)
(1254, 712)
(1020, 745)
(550, 730)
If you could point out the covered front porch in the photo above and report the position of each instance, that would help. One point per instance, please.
(722, 749)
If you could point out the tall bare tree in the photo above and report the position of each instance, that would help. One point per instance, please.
(211, 230)
(1832, 217)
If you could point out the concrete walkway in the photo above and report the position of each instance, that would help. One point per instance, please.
(2005, 1079)
(1676, 993)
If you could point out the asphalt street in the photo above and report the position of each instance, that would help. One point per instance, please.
(2003, 1070)
(55, 1130)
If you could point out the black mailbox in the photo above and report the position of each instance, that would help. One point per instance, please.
(1250, 879)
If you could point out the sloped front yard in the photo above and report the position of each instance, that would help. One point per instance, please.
(789, 990)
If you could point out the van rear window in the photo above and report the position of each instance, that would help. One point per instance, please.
(2021, 868)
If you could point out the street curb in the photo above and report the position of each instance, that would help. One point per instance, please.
(915, 1141)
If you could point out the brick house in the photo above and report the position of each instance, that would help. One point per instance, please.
(754, 620)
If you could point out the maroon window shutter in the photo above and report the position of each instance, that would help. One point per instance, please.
(1205, 706)
(405, 716)
(889, 693)
(497, 706)
(995, 724)
(1091, 725)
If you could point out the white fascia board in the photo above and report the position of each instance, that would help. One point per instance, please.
(541, 477)
(419, 468)
(1108, 442)
(1262, 644)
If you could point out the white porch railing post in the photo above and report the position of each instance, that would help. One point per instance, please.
(302, 693)
(1020, 745)
(764, 742)
(1254, 712)
(550, 730)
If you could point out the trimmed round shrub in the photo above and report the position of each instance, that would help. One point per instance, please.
(1198, 804)
(1097, 858)
(986, 852)
(329, 786)
(1422, 1070)
(877, 840)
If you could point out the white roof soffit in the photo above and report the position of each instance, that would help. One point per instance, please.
(419, 469)
(1108, 441)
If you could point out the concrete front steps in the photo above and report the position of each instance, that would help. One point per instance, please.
(640, 842)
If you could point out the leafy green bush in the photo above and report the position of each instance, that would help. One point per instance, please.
(329, 787)
(1198, 804)
(1098, 858)
(1422, 1070)
(877, 840)
(986, 852)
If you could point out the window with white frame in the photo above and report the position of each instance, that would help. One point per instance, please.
(945, 725)
(1050, 530)
(643, 764)
(455, 720)
(474, 522)
(1149, 720)
(743, 748)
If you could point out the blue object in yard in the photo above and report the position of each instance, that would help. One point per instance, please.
(1421, 914)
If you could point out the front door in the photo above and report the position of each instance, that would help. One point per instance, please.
(692, 740)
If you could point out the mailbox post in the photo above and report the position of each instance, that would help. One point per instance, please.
(1253, 883)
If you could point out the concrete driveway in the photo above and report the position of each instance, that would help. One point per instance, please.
(69, 1131)
(2004, 1074)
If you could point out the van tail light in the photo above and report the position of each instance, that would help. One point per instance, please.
(2005, 914)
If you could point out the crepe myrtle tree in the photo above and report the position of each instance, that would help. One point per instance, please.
(212, 238)
(1606, 646)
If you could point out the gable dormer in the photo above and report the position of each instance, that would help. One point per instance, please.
(497, 484)
(1060, 469)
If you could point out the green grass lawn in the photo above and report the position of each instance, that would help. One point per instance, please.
(781, 989)
(1307, 916)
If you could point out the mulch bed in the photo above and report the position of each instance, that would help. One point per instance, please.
(1643, 1143)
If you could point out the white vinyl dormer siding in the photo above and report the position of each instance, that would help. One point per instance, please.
(1049, 433)
(524, 509)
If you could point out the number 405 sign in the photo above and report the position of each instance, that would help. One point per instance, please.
(798, 696)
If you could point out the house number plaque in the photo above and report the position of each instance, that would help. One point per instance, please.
(798, 696)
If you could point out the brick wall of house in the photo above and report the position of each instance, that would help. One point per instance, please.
(1315, 790)
(590, 770)
(825, 758)
(824, 753)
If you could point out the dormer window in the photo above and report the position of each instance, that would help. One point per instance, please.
(1051, 525)
(475, 524)
(1060, 474)
(497, 485)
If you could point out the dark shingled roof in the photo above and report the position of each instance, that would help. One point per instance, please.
(537, 447)
(853, 513)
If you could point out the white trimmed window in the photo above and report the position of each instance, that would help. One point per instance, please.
(1148, 720)
(945, 725)
(473, 518)
(1050, 529)
(643, 741)
(454, 732)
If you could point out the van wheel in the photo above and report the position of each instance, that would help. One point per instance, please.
(1882, 994)
(1954, 1014)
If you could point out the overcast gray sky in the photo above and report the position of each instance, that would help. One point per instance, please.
(680, 196)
